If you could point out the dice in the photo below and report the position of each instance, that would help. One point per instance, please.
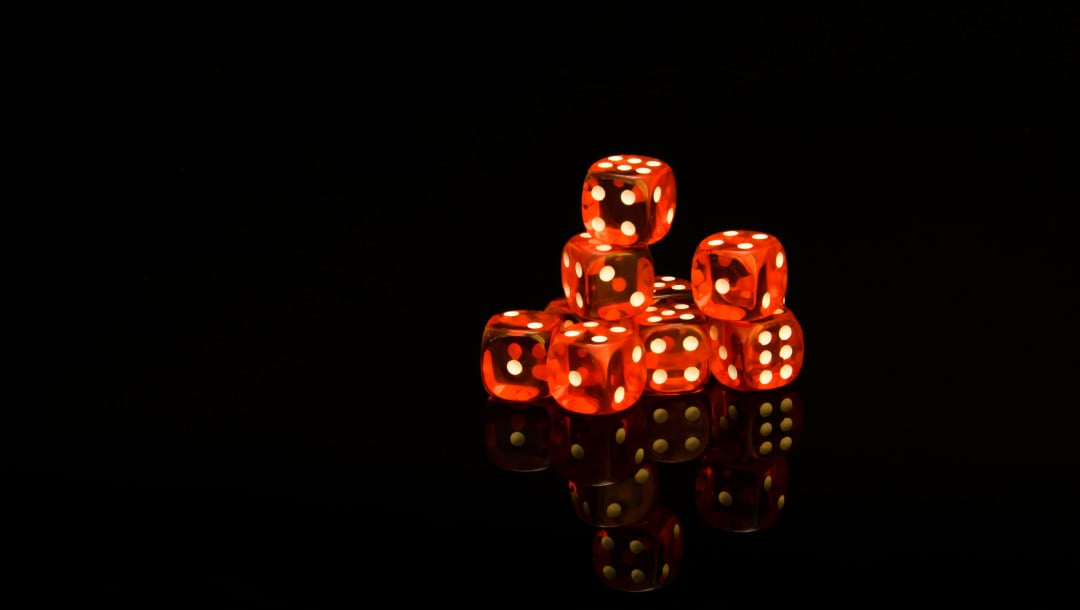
(602, 281)
(596, 366)
(628, 200)
(671, 286)
(641, 556)
(514, 350)
(677, 347)
(757, 354)
(738, 275)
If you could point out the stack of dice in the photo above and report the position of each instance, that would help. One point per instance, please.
(621, 335)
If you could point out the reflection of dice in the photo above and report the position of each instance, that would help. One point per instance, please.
(641, 556)
(739, 275)
(595, 449)
(740, 495)
(619, 503)
(677, 426)
(516, 434)
(758, 424)
(628, 200)
(758, 354)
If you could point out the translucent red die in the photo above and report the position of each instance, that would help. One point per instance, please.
(628, 200)
(759, 354)
(596, 366)
(737, 275)
(757, 424)
(676, 337)
(514, 351)
(642, 556)
(606, 282)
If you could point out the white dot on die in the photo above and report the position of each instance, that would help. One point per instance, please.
(765, 358)
(690, 343)
(745, 246)
(636, 354)
(607, 273)
(785, 332)
(779, 260)
(657, 346)
(512, 314)
(759, 236)
(766, 377)
(618, 329)
(579, 300)
(636, 546)
(722, 285)
(627, 197)
(620, 394)
(660, 415)
(692, 373)
(656, 192)
(633, 160)
(670, 215)
(578, 271)
(722, 352)
(692, 414)
(637, 299)
(765, 300)
(514, 367)
(535, 325)
(786, 371)
(622, 168)
(785, 352)
(608, 542)
(714, 242)
(628, 228)
(517, 439)
(733, 372)
(730, 233)
(599, 339)
(597, 224)
(765, 337)
(724, 498)
(574, 378)
(603, 248)
(659, 376)
(597, 193)
(653, 163)
(643, 170)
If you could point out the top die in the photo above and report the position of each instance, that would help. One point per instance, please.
(628, 200)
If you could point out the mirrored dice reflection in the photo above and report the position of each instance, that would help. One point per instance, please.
(736, 445)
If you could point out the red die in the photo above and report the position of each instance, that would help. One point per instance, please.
(628, 200)
(641, 556)
(677, 426)
(596, 366)
(514, 352)
(757, 354)
(740, 495)
(670, 286)
(738, 275)
(561, 307)
(619, 503)
(597, 449)
(606, 282)
(517, 434)
(676, 337)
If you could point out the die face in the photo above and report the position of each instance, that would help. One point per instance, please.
(672, 287)
(597, 449)
(514, 351)
(758, 424)
(677, 346)
(616, 504)
(516, 434)
(757, 354)
(643, 556)
(605, 282)
(737, 275)
(740, 496)
(677, 426)
(596, 367)
(628, 200)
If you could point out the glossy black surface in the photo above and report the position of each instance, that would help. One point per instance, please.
(283, 407)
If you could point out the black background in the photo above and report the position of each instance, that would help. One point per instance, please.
(279, 398)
